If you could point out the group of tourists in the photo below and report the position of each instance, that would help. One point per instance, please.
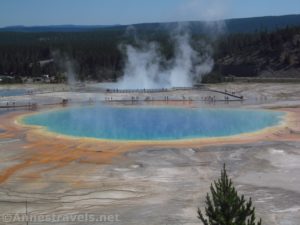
(136, 90)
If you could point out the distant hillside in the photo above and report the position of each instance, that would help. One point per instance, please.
(254, 47)
(54, 28)
(242, 25)
(264, 54)
(268, 23)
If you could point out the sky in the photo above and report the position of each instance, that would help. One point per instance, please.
(111, 12)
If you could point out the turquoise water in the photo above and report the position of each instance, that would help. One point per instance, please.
(12, 92)
(153, 123)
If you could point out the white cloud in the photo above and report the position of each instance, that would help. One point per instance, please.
(203, 9)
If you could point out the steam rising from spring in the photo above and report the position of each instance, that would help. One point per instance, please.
(67, 65)
(71, 74)
(143, 68)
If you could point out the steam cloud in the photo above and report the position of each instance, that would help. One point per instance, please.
(71, 75)
(67, 65)
(143, 68)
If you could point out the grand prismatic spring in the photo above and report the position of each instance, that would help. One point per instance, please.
(140, 123)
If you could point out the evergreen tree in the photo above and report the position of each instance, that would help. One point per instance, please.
(225, 206)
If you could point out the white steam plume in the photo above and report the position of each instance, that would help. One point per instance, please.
(67, 66)
(71, 74)
(188, 64)
(143, 65)
(142, 68)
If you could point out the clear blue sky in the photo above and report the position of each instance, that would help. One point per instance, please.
(104, 12)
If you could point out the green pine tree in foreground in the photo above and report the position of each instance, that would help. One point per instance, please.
(225, 206)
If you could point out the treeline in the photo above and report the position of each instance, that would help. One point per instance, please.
(98, 54)
(94, 55)
(270, 54)
(26, 54)
(265, 43)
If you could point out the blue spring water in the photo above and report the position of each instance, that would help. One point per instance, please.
(12, 92)
(153, 123)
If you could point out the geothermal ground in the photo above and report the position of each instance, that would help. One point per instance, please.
(140, 183)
